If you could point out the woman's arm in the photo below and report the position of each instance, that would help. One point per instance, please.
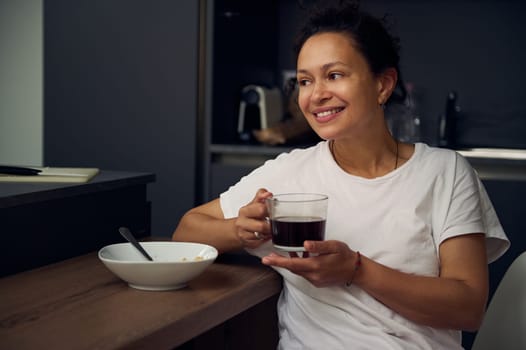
(454, 300)
(207, 224)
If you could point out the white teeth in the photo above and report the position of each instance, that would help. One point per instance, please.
(327, 113)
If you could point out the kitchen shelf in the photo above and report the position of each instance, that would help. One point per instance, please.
(497, 164)
(494, 153)
(248, 149)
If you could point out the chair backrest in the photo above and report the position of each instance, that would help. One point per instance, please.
(504, 325)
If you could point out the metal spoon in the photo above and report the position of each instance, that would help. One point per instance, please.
(125, 232)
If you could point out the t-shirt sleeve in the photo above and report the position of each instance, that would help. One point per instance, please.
(471, 211)
(497, 243)
(240, 194)
(268, 176)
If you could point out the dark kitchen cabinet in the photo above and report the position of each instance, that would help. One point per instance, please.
(42, 223)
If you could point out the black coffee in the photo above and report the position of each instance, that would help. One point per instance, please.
(292, 231)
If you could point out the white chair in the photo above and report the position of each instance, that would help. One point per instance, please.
(504, 326)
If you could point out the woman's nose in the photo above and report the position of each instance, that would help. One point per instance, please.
(320, 92)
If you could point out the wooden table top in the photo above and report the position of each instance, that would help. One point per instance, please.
(79, 304)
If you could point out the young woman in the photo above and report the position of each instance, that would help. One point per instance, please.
(410, 228)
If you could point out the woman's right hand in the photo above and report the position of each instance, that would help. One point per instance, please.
(252, 225)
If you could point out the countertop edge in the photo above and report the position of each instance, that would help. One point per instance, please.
(24, 193)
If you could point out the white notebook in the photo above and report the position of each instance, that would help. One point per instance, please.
(52, 174)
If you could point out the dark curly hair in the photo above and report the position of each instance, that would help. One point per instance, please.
(370, 35)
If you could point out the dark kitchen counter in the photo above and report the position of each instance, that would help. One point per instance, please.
(43, 223)
(20, 193)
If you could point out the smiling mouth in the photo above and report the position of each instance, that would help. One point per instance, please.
(328, 113)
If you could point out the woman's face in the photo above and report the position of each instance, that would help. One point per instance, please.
(338, 93)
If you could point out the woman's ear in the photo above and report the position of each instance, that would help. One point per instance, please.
(386, 84)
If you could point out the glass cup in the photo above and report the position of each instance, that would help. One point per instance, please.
(295, 218)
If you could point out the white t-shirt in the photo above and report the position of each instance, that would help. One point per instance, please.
(398, 220)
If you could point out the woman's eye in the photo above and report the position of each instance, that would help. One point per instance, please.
(334, 76)
(303, 82)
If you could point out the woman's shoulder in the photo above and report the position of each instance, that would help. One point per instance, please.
(290, 162)
(438, 155)
(441, 160)
(428, 151)
(301, 154)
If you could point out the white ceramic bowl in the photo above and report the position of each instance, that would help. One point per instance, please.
(174, 265)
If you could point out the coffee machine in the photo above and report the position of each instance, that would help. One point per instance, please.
(260, 108)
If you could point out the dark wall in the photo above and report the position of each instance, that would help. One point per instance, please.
(121, 92)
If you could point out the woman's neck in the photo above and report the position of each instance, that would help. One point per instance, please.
(367, 158)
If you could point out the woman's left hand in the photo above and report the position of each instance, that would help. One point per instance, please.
(329, 263)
